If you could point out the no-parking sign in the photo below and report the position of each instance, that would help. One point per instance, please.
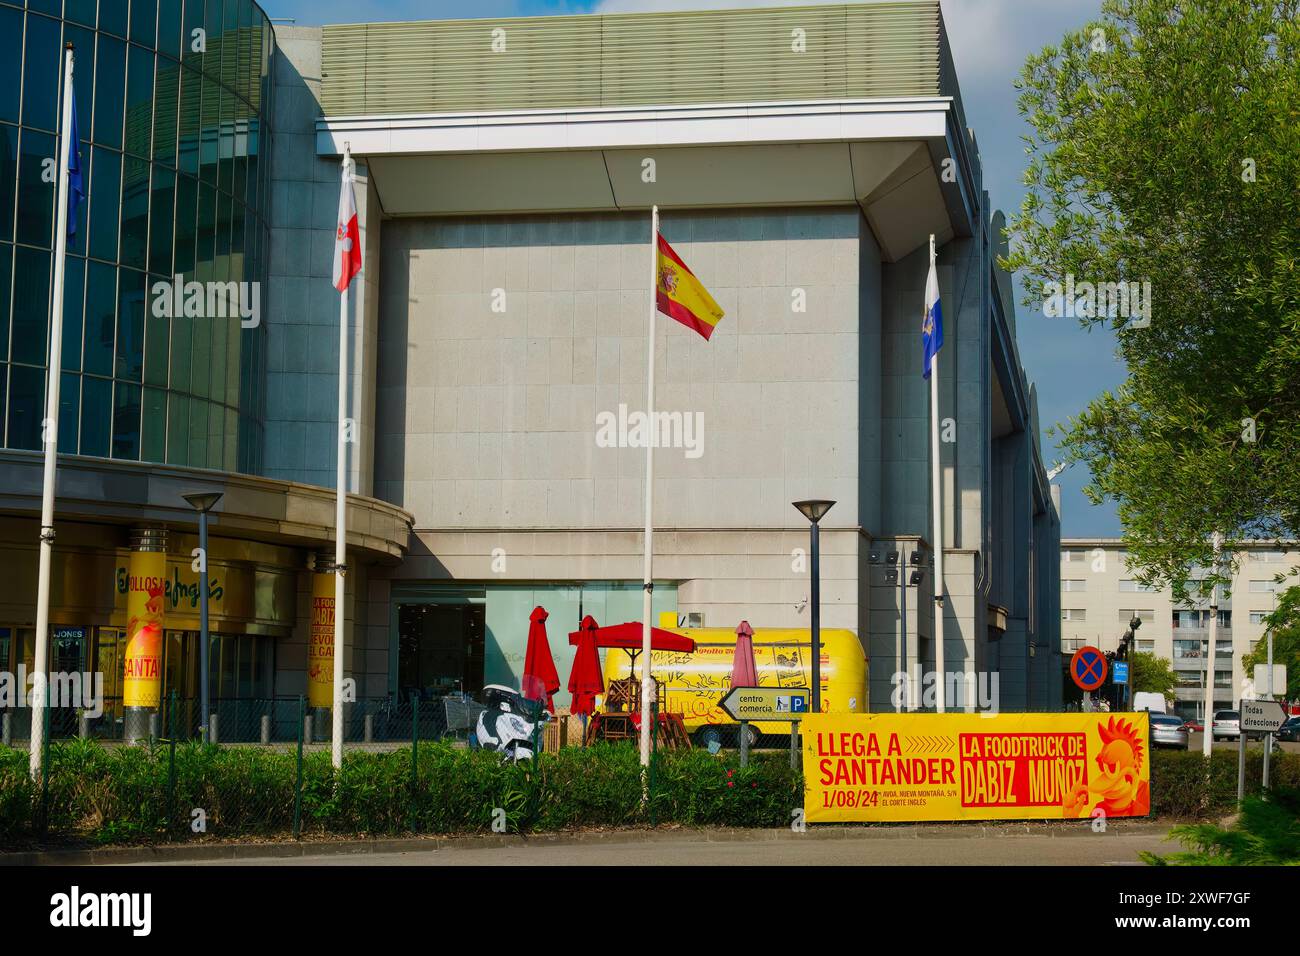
(1088, 668)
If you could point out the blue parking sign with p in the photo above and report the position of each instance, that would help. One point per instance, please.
(798, 703)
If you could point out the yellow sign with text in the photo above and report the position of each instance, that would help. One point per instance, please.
(320, 650)
(145, 599)
(901, 767)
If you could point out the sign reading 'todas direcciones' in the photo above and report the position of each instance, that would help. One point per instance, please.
(766, 703)
(1261, 716)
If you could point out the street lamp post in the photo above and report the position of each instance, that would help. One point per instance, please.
(203, 502)
(814, 511)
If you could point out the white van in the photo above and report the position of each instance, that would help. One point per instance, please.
(1149, 701)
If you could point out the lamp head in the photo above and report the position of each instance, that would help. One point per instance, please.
(815, 509)
(203, 501)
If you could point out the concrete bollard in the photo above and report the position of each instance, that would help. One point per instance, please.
(6, 729)
(306, 729)
(370, 728)
(266, 729)
(83, 726)
(214, 732)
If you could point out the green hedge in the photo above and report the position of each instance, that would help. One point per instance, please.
(1180, 788)
(125, 794)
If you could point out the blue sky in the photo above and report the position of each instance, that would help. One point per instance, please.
(990, 39)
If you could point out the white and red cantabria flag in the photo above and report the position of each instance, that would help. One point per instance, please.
(347, 237)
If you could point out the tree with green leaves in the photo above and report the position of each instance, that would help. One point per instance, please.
(1151, 674)
(1284, 622)
(1165, 149)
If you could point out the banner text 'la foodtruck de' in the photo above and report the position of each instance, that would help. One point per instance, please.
(875, 767)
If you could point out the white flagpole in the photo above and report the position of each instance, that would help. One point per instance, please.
(341, 504)
(647, 684)
(936, 480)
(50, 436)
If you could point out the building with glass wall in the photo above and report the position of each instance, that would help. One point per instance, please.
(503, 162)
(174, 110)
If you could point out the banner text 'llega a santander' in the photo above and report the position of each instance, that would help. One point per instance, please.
(877, 767)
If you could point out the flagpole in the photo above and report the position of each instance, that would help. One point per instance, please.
(936, 481)
(647, 593)
(341, 505)
(50, 436)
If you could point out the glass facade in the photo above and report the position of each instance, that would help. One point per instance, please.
(173, 101)
(447, 637)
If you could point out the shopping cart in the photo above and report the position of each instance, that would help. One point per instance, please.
(461, 715)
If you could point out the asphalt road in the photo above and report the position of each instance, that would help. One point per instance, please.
(861, 848)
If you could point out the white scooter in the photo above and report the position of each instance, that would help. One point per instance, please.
(509, 723)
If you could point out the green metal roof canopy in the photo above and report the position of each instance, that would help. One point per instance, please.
(848, 51)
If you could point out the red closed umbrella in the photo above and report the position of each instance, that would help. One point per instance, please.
(540, 680)
(743, 671)
(585, 680)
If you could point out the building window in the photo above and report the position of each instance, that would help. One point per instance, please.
(1263, 587)
(1145, 615)
(1257, 617)
(1074, 585)
(1147, 647)
(1199, 619)
(1074, 614)
(1129, 585)
(1264, 557)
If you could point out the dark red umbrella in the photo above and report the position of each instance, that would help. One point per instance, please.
(540, 681)
(585, 680)
(628, 637)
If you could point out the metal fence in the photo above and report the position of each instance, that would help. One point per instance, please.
(369, 722)
(173, 787)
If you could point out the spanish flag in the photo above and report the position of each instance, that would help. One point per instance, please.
(681, 296)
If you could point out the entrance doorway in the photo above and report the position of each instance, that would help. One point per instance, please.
(439, 649)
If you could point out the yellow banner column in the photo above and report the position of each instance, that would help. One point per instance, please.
(142, 666)
(320, 644)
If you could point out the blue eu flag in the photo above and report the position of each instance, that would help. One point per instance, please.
(76, 186)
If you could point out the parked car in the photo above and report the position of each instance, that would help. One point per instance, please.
(1169, 731)
(1193, 725)
(1226, 725)
(1290, 731)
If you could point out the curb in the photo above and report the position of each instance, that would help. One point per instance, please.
(211, 852)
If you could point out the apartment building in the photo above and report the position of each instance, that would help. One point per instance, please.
(1100, 594)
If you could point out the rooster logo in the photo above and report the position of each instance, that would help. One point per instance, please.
(1117, 789)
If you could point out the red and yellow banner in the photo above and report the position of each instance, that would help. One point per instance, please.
(681, 296)
(145, 597)
(320, 647)
(899, 767)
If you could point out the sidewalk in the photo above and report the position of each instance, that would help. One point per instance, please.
(290, 849)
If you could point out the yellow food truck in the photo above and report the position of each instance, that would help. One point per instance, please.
(696, 682)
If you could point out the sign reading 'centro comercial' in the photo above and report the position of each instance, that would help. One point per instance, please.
(869, 767)
(766, 703)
